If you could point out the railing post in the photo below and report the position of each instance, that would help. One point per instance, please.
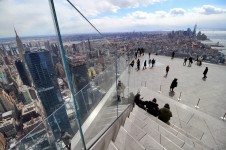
(160, 89)
(197, 105)
(179, 99)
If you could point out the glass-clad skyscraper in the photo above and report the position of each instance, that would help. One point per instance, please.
(22, 72)
(44, 77)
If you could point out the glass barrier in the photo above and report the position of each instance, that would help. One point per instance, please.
(95, 65)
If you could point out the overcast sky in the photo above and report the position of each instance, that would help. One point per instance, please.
(33, 17)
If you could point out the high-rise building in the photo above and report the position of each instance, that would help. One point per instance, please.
(60, 70)
(19, 44)
(80, 79)
(44, 78)
(8, 127)
(2, 141)
(6, 102)
(22, 72)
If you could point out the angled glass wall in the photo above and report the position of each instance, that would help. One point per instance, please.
(82, 80)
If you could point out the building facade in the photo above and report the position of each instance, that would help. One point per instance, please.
(22, 72)
(44, 78)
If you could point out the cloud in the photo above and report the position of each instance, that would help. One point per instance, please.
(177, 11)
(209, 10)
(34, 17)
(134, 3)
(177, 18)
(140, 15)
(92, 8)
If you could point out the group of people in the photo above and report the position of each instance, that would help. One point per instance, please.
(188, 59)
(139, 52)
(199, 60)
(164, 114)
(151, 63)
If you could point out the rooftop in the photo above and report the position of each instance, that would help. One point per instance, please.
(204, 123)
(190, 83)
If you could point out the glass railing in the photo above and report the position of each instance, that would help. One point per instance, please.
(43, 135)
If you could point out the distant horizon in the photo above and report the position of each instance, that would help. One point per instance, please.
(74, 34)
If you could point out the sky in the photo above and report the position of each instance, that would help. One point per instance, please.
(33, 17)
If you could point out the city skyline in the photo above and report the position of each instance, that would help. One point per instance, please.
(34, 18)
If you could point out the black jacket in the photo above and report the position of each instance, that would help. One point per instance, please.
(173, 84)
(152, 108)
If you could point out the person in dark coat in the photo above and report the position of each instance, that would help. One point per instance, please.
(138, 64)
(145, 64)
(185, 61)
(132, 63)
(167, 70)
(173, 53)
(173, 84)
(152, 107)
(165, 114)
(66, 138)
(135, 55)
(138, 101)
(205, 72)
(190, 61)
(153, 62)
(149, 55)
(140, 51)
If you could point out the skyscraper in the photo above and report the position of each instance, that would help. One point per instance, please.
(80, 79)
(19, 44)
(44, 78)
(6, 101)
(22, 72)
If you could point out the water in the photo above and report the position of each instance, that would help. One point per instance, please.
(217, 36)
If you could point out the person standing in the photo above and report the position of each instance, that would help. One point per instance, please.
(145, 64)
(149, 62)
(165, 114)
(149, 54)
(138, 64)
(185, 61)
(167, 70)
(66, 138)
(205, 72)
(173, 84)
(143, 51)
(120, 90)
(132, 63)
(173, 53)
(190, 61)
(140, 51)
(135, 55)
(153, 62)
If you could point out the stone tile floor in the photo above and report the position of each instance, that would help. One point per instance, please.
(212, 91)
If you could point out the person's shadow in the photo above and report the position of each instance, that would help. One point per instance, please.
(171, 93)
(204, 79)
